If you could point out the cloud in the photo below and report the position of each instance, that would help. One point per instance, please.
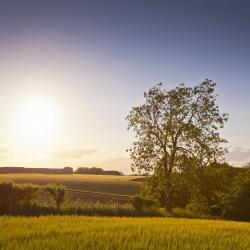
(238, 154)
(73, 153)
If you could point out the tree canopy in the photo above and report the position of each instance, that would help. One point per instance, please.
(175, 126)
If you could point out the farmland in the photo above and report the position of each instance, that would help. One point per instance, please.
(73, 232)
(87, 188)
(121, 185)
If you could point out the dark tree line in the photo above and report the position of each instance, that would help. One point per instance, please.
(66, 170)
(22, 170)
(97, 171)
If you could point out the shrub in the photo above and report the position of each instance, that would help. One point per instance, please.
(58, 193)
(140, 203)
(238, 206)
(198, 204)
(29, 192)
(15, 197)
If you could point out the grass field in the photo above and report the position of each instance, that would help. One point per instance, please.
(72, 232)
(122, 185)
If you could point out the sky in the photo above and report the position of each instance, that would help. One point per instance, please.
(76, 68)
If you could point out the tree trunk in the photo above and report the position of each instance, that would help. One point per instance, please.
(169, 196)
(168, 190)
(169, 186)
(58, 206)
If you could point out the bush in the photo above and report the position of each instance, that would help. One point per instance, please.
(198, 205)
(210, 187)
(15, 197)
(58, 193)
(140, 203)
(29, 193)
(238, 206)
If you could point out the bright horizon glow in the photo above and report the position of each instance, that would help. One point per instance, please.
(36, 122)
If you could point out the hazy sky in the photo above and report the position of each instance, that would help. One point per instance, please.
(91, 61)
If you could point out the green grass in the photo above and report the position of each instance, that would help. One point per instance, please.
(73, 232)
(122, 185)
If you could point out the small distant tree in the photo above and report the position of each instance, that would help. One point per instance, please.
(58, 193)
(174, 126)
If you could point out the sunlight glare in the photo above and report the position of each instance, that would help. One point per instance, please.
(36, 121)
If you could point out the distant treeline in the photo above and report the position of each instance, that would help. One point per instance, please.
(97, 171)
(23, 170)
(66, 170)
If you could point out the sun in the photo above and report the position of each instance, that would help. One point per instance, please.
(36, 121)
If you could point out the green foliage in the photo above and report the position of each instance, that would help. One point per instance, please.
(21, 199)
(58, 193)
(174, 126)
(29, 193)
(212, 188)
(111, 210)
(198, 204)
(209, 188)
(215, 190)
(155, 188)
(137, 202)
(141, 204)
(238, 202)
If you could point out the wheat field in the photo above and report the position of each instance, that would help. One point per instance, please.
(74, 232)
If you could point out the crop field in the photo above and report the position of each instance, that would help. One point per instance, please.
(121, 185)
(73, 232)
(87, 188)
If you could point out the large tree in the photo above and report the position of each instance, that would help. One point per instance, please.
(175, 126)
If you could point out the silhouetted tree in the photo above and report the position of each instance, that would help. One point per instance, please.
(173, 126)
(58, 193)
